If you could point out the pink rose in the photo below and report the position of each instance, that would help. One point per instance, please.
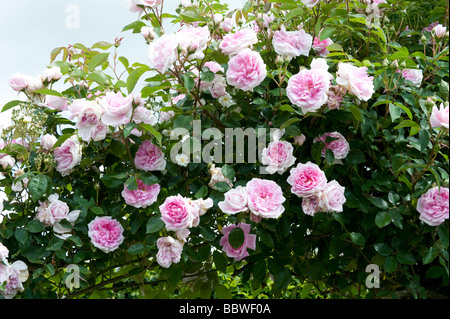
(309, 89)
(4, 253)
(227, 24)
(438, 31)
(163, 52)
(13, 276)
(413, 75)
(440, 117)
(332, 197)
(177, 213)
(278, 155)
(356, 80)
(55, 103)
(142, 197)
(310, 3)
(246, 70)
(320, 47)
(52, 74)
(149, 157)
(118, 109)
(339, 146)
(299, 140)
(311, 205)
(68, 155)
(239, 252)
(105, 233)
(52, 211)
(19, 82)
(148, 3)
(234, 43)
(235, 201)
(265, 198)
(89, 123)
(306, 179)
(291, 43)
(193, 41)
(169, 251)
(433, 206)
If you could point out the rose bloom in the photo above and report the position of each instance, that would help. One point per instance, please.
(199, 208)
(149, 157)
(291, 43)
(89, 124)
(265, 198)
(169, 251)
(142, 197)
(105, 233)
(148, 3)
(118, 109)
(240, 252)
(217, 176)
(235, 201)
(311, 205)
(68, 155)
(193, 41)
(13, 276)
(320, 47)
(278, 155)
(310, 3)
(413, 75)
(163, 52)
(7, 161)
(438, 31)
(356, 80)
(309, 89)
(440, 117)
(306, 179)
(339, 146)
(4, 252)
(332, 197)
(19, 82)
(234, 43)
(433, 206)
(52, 210)
(55, 103)
(227, 24)
(246, 70)
(177, 213)
(51, 74)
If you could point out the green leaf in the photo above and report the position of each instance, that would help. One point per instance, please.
(154, 132)
(222, 292)
(202, 192)
(220, 261)
(228, 172)
(62, 139)
(37, 187)
(415, 128)
(48, 92)
(405, 258)
(355, 157)
(113, 180)
(430, 255)
(188, 82)
(128, 128)
(329, 156)
(222, 187)
(382, 219)
(21, 234)
(148, 178)
(136, 249)
(10, 105)
(236, 237)
(316, 151)
(97, 210)
(289, 122)
(265, 237)
(357, 238)
(443, 89)
(394, 111)
(55, 244)
(35, 226)
(154, 225)
(390, 264)
(97, 60)
(191, 16)
(132, 183)
(379, 202)
(103, 45)
(326, 33)
(383, 249)
(282, 279)
(135, 26)
(134, 77)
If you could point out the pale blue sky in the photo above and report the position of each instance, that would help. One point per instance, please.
(30, 29)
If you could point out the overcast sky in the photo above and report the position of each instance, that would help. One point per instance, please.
(30, 29)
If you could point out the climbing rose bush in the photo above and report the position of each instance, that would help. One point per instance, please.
(270, 151)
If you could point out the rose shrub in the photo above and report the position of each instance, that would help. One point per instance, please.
(109, 174)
